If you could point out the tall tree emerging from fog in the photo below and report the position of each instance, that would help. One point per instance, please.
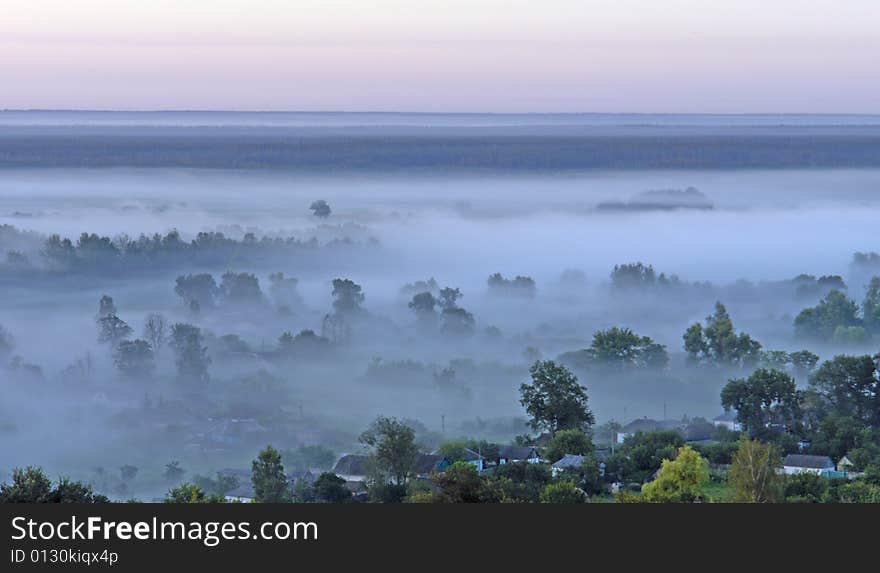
(718, 344)
(155, 331)
(191, 356)
(766, 398)
(267, 475)
(348, 296)
(754, 473)
(393, 447)
(555, 400)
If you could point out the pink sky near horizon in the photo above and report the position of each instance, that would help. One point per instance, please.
(709, 56)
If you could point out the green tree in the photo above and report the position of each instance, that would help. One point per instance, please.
(190, 493)
(267, 475)
(820, 322)
(754, 473)
(30, 485)
(393, 447)
(871, 307)
(718, 344)
(572, 441)
(555, 400)
(850, 386)
(330, 488)
(680, 480)
(766, 397)
(563, 491)
(461, 483)
(621, 348)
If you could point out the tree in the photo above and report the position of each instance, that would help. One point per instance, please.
(134, 358)
(457, 321)
(766, 398)
(199, 290)
(642, 454)
(633, 276)
(573, 441)
(820, 322)
(348, 296)
(718, 344)
(423, 305)
(267, 475)
(851, 387)
(563, 491)
(128, 472)
(461, 483)
(7, 343)
(680, 480)
(393, 446)
(191, 356)
(190, 493)
(106, 306)
(173, 472)
(871, 307)
(112, 330)
(240, 288)
(754, 473)
(804, 362)
(555, 400)
(449, 298)
(330, 488)
(320, 208)
(155, 331)
(621, 348)
(30, 485)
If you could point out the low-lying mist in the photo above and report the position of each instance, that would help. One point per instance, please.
(282, 359)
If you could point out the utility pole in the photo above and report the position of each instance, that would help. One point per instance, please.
(442, 423)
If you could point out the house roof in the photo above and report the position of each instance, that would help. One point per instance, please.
(428, 463)
(569, 461)
(649, 425)
(469, 455)
(517, 452)
(351, 465)
(602, 454)
(805, 461)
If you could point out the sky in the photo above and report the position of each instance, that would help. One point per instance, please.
(670, 56)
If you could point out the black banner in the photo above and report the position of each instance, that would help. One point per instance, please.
(152, 537)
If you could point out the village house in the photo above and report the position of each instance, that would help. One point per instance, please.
(513, 454)
(802, 463)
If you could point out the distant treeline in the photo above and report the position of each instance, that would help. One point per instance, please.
(92, 252)
(416, 152)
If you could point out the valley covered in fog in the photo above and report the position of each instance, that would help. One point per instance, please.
(177, 304)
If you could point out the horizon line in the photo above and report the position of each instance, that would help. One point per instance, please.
(399, 112)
